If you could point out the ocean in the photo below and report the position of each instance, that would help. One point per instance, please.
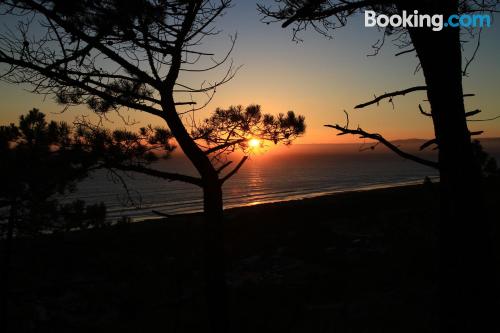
(288, 173)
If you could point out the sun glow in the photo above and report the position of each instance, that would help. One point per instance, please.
(254, 143)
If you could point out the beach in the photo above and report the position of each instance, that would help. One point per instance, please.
(238, 167)
(346, 262)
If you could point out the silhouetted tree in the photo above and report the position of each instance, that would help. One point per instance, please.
(115, 55)
(488, 163)
(466, 278)
(38, 163)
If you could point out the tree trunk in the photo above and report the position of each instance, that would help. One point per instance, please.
(214, 260)
(465, 259)
(214, 256)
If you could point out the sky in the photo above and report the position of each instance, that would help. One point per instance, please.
(318, 78)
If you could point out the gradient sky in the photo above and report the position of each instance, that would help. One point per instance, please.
(318, 78)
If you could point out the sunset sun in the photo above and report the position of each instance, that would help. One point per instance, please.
(254, 143)
(247, 173)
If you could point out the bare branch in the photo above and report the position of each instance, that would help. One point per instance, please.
(404, 52)
(308, 13)
(382, 140)
(488, 119)
(376, 100)
(474, 54)
(157, 173)
(472, 113)
(428, 143)
(427, 114)
(235, 170)
(185, 103)
(225, 165)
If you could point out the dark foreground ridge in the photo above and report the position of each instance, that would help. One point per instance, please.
(351, 262)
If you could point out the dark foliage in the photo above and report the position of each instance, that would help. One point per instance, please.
(114, 56)
(39, 164)
(488, 163)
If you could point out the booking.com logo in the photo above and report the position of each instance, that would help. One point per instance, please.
(436, 22)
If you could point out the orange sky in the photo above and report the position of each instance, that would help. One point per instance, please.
(318, 78)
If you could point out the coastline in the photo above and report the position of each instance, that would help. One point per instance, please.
(350, 260)
(297, 197)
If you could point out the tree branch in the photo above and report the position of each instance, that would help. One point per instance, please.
(488, 119)
(307, 13)
(235, 170)
(156, 173)
(382, 140)
(61, 78)
(376, 100)
(225, 165)
(427, 114)
(469, 61)
(404, 52)
(77, 32)
(224, 145)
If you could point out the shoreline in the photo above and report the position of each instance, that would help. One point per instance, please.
(366, 188)
(356, 259)
(294, 198)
